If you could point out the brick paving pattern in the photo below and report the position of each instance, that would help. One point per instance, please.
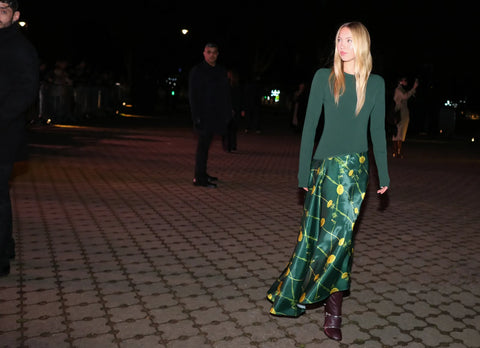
(117, 248)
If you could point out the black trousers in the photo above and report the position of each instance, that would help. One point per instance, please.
(201, 158)
(6, 240)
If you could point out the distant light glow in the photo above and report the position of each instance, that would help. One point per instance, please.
(275, 93)
(272, 97)
(184, 31)
(451, 103)
(171, 84)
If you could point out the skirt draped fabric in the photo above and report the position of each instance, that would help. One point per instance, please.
(322, 259)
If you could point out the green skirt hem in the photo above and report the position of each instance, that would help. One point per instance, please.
(321, 262)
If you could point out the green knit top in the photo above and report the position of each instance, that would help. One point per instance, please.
(344, 132)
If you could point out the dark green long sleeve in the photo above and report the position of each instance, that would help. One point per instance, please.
(344, 132)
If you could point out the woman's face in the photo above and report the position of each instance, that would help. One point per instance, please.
(345, 45)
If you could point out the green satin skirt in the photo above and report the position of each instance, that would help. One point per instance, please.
(322, 259)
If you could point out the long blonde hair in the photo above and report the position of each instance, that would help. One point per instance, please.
(363, 64)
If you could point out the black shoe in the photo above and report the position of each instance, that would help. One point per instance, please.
(204, 183)
(5, 270)
(212, 178)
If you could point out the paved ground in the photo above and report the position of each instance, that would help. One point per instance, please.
(116, 248)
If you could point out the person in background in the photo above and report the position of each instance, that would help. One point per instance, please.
(335, 180)
(19, 83)
(61, 92)
(300, 99)
(230, 138)
(401, 97)
(251, 106)
(211, 108)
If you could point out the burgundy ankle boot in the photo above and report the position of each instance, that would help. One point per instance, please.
(333, 316)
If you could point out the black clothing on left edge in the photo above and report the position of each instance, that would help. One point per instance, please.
(19, 73)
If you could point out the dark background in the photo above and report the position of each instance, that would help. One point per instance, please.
(280, 43)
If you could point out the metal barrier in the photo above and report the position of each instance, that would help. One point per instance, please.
(72, 104)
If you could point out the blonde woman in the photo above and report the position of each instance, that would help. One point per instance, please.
(335, 179)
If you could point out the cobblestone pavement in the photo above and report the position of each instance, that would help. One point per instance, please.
(117, 248)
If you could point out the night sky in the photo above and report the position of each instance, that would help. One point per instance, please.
(282, 43)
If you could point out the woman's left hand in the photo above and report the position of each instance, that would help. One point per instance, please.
(382, 190)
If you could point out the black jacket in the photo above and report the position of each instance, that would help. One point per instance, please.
(19, 73)
(210, 100)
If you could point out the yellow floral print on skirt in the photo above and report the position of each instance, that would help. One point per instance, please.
(322, 259)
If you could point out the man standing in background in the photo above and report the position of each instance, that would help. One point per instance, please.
(211, 108)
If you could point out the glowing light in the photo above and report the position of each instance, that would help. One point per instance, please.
(184, 31)
(451, 103)
(275, 93)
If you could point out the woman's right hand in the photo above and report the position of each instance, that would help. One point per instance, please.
(382, 190)
(305, 188)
